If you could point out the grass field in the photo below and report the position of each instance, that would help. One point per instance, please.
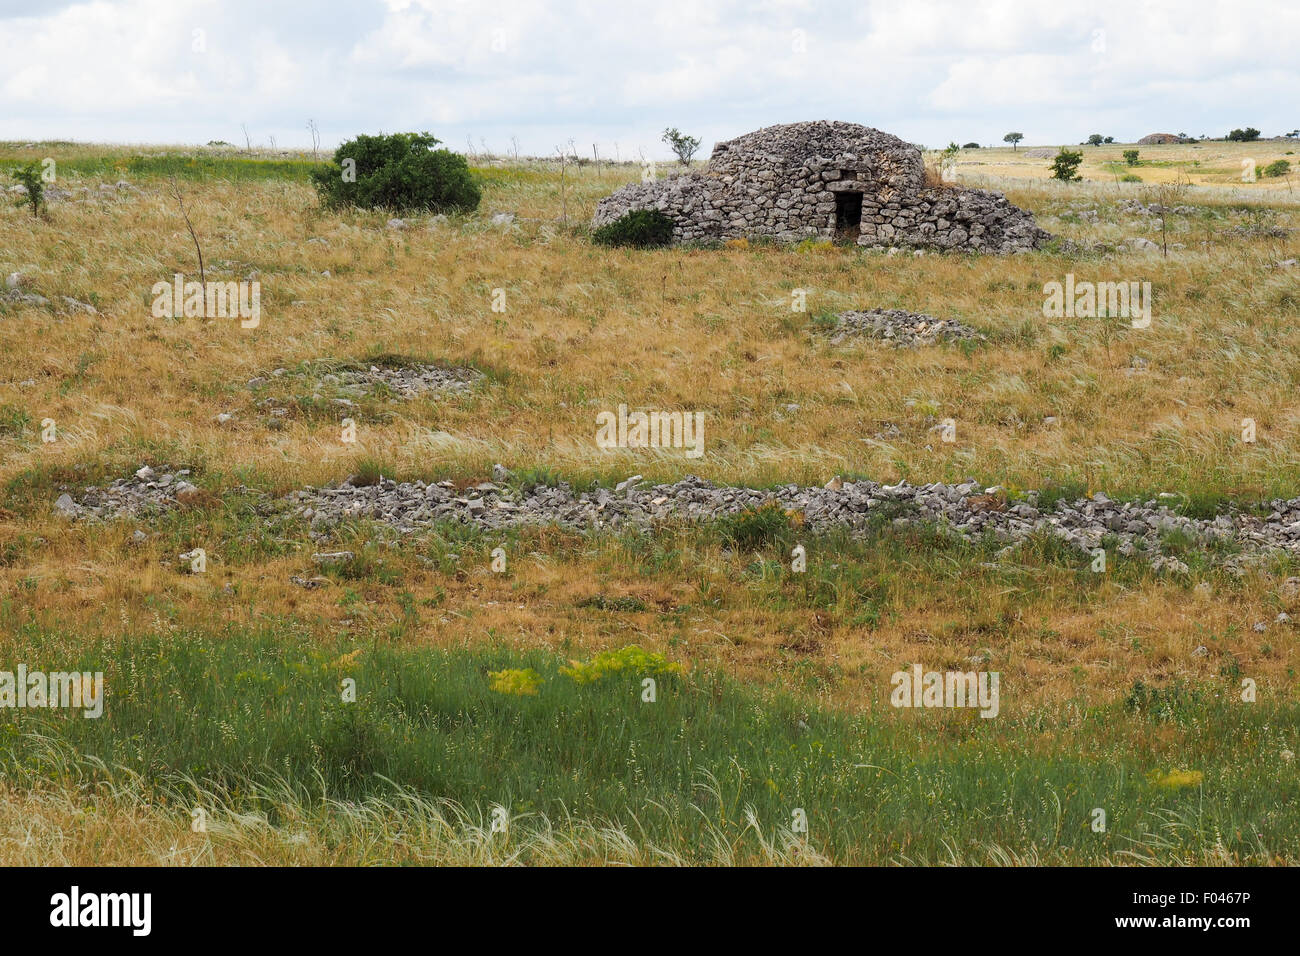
(1120, 691)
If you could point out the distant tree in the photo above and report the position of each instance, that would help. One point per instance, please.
(970, 146)
(1247, 135)
(683, 146)
(1294, 134)
(1065, 166)
(1109, 139)
(1013, 139)
(1131, 157)
(1095, 139)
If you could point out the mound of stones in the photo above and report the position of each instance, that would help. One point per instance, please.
(413, 380)
(826, 180)
(900, 328)
(146, 493)
(405, 382)
(965, 510)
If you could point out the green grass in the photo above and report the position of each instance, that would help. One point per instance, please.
(231, 707)
(187, 167)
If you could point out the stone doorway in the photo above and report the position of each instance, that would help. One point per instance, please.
(848, 215)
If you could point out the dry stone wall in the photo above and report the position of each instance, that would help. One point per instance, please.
(823, 180)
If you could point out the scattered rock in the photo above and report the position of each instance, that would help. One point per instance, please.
(413, 380)
(330, 558)
(963, 510)
(900, 328)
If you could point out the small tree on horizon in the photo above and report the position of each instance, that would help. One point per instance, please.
(1013, 139)
(683, 146)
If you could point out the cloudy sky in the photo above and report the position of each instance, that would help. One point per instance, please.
(615, 73)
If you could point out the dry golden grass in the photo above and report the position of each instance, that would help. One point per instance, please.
(708, 330)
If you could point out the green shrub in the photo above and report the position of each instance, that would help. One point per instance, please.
(1130, 178)
(401, 171)
(642, 228)
(756, 528)
(1131, 157)
(1065, 166)
(1278, 168)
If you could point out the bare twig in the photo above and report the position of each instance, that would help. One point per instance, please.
(176, 191)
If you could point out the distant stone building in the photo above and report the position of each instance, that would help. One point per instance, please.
(827, 180)
(1159, 139)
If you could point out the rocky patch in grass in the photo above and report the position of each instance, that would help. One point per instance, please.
(147, 492)
(1148, 529)
(17, 292)
(403, 380)
(1129, 529)
(900, 328)
(414, 380)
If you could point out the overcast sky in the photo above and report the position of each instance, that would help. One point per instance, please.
(618, 72)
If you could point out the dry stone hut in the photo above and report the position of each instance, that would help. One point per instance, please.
(827, 180)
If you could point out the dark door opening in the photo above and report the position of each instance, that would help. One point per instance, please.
(848, 213)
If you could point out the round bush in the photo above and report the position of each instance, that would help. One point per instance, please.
(642, 228)
(401, 171)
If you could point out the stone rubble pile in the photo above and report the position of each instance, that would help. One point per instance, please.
(414, 380)
(147, 493)
(965, 509)
(900, 328)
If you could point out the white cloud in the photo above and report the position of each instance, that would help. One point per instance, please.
(928, 70)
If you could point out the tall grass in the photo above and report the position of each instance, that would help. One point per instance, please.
(254, 722)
